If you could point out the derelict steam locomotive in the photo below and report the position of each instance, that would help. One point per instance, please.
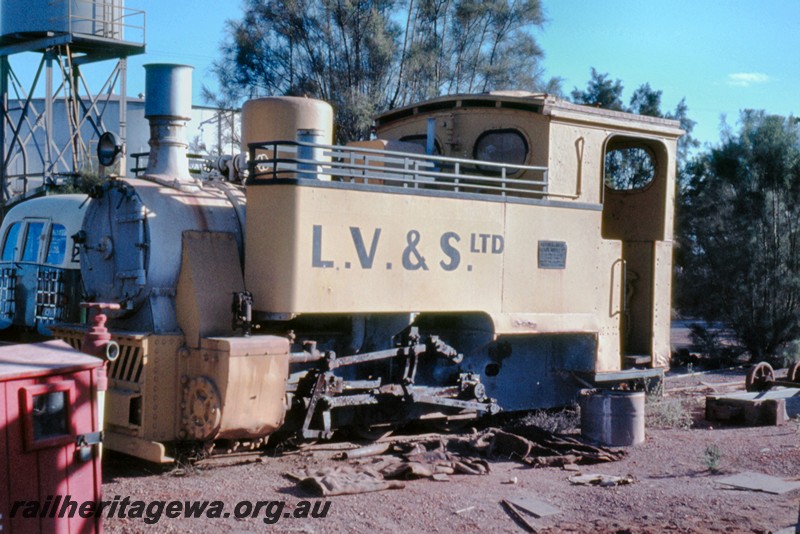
(478, 255)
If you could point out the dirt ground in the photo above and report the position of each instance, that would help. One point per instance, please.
(673, 488)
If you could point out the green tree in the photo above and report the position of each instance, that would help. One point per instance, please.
(367, 56)
(630, 168)
(740, 234)
(600, 92)
(469, 46)
(337, 50)
(646, 101)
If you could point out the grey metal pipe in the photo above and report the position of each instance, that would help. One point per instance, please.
(168, 105)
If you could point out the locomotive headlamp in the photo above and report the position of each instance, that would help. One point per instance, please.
(109, 149)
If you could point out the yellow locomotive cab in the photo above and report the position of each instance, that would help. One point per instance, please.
(485, 252)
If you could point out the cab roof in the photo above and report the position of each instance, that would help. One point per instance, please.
(540, 103)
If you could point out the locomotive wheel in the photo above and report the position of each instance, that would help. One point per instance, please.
(794, 373)
(760, 377)
(202, 408)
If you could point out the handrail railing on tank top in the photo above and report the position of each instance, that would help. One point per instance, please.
(110, 20)
(387, 168)
(197, 163)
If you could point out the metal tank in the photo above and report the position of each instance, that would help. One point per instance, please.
(133, 236)
(133, 229)
(280, 117)
(289, 118)
(100, 18)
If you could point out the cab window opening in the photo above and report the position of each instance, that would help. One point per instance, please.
(629, 167)
(49, 414)
(33, 235)
(422, 140)
(501, 146)
(10, 243)
(58, 245)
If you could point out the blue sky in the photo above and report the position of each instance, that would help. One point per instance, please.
(721, 55)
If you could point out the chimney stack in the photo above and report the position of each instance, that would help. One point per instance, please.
(168, 106)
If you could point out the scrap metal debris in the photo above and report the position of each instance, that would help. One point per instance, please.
(760, 482)
(343, 480)
(426, 459)
(520, 505)
(539, 448)
(601, 480)
(379, 467)
(533, 506)
(518, 516)
(376, 449)
(411, 461)
(759, 408)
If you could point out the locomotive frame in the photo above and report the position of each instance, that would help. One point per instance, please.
(453, 285)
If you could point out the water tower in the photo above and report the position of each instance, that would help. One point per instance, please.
(49, 133)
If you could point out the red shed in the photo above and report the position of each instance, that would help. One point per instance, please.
(49, 461)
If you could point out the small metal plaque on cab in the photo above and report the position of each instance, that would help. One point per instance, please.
(552, 255)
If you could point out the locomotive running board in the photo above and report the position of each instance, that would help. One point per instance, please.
(607, 377)
(152, 451)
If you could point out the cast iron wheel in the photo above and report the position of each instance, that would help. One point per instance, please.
(760, 377)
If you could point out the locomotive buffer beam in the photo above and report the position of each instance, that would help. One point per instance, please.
(329, 390)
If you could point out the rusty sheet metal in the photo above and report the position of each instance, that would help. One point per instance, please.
(535, 506)
(773, 407)
(760, 482)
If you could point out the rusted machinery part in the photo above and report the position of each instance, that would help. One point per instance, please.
(370, 433)
(760, 377)
(326, 391)
(202, 408)
(97, 340)
(450, 423)
(794, 373)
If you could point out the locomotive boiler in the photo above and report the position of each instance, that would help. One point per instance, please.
(484, 252)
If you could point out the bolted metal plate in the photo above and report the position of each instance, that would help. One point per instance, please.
(760, 482)
(552, 255)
